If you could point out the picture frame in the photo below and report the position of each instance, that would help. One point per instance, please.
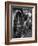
(26, 15)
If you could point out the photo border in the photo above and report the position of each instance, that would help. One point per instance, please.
(7, 22)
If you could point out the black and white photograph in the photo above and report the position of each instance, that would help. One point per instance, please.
(21, 22)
